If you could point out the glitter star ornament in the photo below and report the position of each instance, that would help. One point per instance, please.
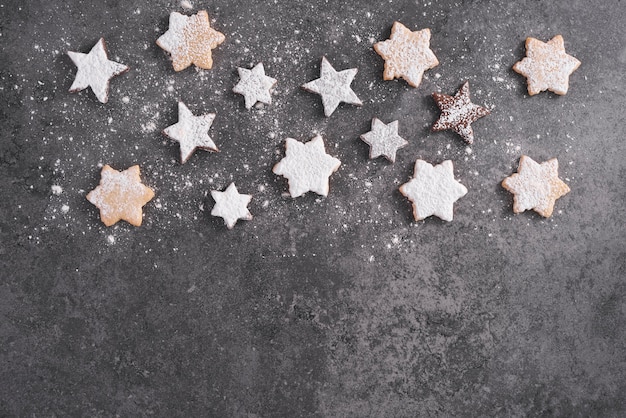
(307, 167)
(407, 54)
(95, 70)
(192, 132)
(254, 85)
(383, 139)
(190, 39)
(546, 66)
(458, 113)
(433, 190)
(334, 87)
(231, 205)
(120, 196)
(536, 186)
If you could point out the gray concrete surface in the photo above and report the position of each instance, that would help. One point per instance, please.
(333, 307)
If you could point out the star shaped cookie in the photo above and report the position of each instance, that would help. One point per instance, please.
(384, 139)
(231, 205)
(458, 113)
(334, 87)
(536, 186)
(120, 196)
(192, 132)
(95, 70)
(307, 167)
(546, 66)
(254, 85)
(433, 190)
(407, 54)
(190, 39)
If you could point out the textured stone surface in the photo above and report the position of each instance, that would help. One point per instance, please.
(337, 306)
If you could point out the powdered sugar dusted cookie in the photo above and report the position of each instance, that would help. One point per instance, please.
(231, 205)
(334, 87)
(546, 66)
(192, 132)
(407, 54)
(307, 167)
(254, 85)
(95, 70)
(190, 39)
(384, 139)
(536, 186)
(120, 196)
(458, 113)
(433, 190)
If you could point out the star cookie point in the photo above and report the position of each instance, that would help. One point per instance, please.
(191, 132)
(120, 196)
(231, 205)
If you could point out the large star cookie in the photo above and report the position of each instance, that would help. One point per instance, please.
(254, 85)
(231, 205)
(307, 167)
(458, 113)
(190, 39)
(95, 70)
(120, 196)
(407, 54)
(536, 186)
(383, 139)
(546, 66)
(334, 87)
(433, 190)
(192, 132)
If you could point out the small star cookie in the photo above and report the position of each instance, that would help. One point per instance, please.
(254, 85)
(383, 139)
(458, 113)
(120, 196)
(95, 70)
(546, 66)
(407, 54)
(307, 167)
(231, 205)
(433, 190)
(190, 39)
(536, 186)
(334, 87)
(192, 132)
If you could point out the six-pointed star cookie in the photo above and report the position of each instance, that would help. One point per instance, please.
(384, 139)
(536, 186)
(546, 66)
(334, 87)
(407, 54)
(191, 132)
(120, 195)
(95, 70)
(433, 190)
(307, 167)
(231, 205)
(254, 85)
(458, 113)
(190, 39)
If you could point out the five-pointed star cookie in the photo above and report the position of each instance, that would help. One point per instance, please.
(254, 85)
(307, 167)
(190, 39)
(120, 195)
(546, 66)
(95, 70)
(191, 132)
(433, 190)
(384, 139)
(458, 113)
(334, 87)
(407, 54)
(231, 205)
(536, 186)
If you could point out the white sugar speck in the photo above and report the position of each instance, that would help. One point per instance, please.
(111, 239)
(56, 189)
(65, 209)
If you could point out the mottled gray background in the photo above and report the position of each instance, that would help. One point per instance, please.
(333, 307)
